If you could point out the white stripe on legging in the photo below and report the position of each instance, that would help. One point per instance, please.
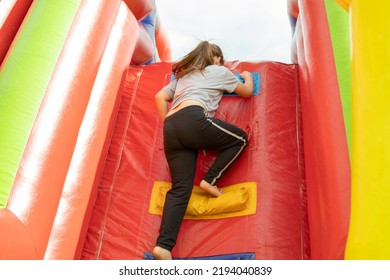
(239, 152)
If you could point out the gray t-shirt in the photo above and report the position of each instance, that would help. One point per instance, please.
(205, 86)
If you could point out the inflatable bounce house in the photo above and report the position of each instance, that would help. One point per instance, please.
(82, 169)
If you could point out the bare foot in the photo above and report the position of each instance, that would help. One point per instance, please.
(213, 190)
(161, 253)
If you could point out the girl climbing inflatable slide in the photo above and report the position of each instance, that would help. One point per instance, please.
(83, 173)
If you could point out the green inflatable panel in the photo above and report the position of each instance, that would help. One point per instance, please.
(338, 20)
(24, 78)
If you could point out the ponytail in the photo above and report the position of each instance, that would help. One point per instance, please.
(198, 59)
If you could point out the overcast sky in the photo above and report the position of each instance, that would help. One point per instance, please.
(246, 30)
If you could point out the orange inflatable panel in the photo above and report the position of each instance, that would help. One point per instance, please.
(328, 173)
(79, 192)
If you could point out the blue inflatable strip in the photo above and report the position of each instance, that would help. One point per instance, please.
(293, 23)
(149, 22)
(256, 83)
(237, 256)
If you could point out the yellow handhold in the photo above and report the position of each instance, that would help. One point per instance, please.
(236, 200)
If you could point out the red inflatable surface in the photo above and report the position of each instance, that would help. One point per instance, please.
(122, 228)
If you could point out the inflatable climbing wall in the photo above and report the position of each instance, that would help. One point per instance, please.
(122, 225)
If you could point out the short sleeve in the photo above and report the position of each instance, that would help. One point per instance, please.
(170, 88)
(231, 81)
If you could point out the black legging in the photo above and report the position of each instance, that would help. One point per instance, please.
(185, 133)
